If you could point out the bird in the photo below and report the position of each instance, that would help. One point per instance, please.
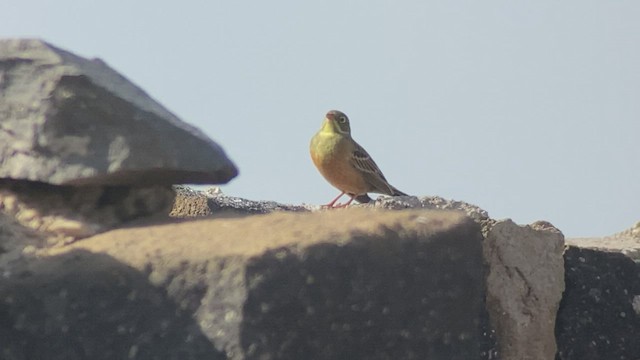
(345, 164)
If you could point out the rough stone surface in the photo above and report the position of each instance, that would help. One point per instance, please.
(432, 203)
(63, 214)
(524, 287)
(346, 284)
(633, 232)
(193, 203)
(16, 243)
(626, 242)
(599, 316)
(83, 305)
(67, 120)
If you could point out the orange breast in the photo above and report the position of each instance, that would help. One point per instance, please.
(333, 161)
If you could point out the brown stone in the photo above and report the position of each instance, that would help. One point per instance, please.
(524, 287)
(355, 283)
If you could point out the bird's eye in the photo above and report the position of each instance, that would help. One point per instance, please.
(342, 120)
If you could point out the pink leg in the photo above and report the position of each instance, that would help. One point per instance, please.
(347, 203)
(350, 201)
(330, 205)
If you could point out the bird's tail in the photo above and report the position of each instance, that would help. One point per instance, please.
(396, 192)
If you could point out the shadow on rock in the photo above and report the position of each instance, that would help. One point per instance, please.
(383, 298)
(83, 305)
(598, 316)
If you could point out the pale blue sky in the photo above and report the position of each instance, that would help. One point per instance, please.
(530, 110)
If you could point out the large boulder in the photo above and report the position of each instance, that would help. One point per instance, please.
(83, 150)
(346, 284)
(66, 120)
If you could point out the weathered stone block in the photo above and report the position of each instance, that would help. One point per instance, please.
(524, 288)
(356, 284)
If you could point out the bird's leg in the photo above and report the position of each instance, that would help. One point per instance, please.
(331, 204)
(350, 200)
(347, 203)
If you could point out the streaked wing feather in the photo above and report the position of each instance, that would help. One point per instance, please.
(362, 161)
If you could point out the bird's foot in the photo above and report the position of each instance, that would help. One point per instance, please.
(340, 206)
(333, 206)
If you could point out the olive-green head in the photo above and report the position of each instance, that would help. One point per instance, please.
(337, 122)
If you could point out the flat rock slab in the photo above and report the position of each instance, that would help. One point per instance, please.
(344, 284)
(66, 120)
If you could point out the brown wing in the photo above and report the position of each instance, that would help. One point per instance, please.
(363, 162)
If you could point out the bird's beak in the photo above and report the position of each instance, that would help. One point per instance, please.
(328, 124)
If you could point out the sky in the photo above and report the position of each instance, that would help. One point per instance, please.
(530, 110)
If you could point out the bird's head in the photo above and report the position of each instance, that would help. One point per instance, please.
(337, 122)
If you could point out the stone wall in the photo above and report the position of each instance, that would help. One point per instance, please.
(101, 257)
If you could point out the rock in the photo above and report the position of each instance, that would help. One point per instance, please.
(626, 242)
(16, 243)
(435, 203)
(633, 232)
(63, 214)
(599, 317)
(431, 202)
(524, 287)
(356, 283)
(66, 120)
(193, 203)
(83, 305)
